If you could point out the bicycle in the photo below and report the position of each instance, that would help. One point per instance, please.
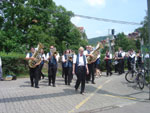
(142, 76)
(131, 74)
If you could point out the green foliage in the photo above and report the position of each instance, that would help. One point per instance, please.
(14, 63)
(126, 43)
(28, 22)
(144, 30)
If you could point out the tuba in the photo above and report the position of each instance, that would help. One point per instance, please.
(36, 55)
(95, 53)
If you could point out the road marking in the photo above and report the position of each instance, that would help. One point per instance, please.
(89, 97)
(130, 98)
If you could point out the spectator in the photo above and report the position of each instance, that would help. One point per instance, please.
(1, 78)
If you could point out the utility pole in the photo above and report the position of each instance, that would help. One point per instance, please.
(148, 6)
(109, 41)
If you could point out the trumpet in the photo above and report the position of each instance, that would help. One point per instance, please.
(70, 57)
(54, 52)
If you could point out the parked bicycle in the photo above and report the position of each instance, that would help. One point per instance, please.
(131, 74)
(143, 78)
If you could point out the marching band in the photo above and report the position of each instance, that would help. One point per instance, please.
(78, 64)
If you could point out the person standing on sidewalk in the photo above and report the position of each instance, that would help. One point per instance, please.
(1, 78)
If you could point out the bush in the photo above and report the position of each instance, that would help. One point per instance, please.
(13, 63)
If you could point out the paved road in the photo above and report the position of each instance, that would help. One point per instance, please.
(109, 94)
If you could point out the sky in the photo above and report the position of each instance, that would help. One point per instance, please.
(124, 10)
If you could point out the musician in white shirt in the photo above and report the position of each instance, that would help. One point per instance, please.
(52, 65)
(81, 69)
(43, 59)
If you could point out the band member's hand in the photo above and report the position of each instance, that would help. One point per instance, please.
(91, 55)
(32, 58)
(73, 72)
(87, 72)
(38, 63)
(65, 60)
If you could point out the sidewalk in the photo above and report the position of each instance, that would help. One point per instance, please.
(18, 97)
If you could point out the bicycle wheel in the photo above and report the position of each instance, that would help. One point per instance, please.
(141, 81)
(130, 77)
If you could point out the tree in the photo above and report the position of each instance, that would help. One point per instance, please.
(25, 23)
(125, 43)
(144, 30)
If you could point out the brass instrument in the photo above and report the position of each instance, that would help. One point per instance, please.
(54, 52)
(95, 53)
(36, 55)
(70, 57)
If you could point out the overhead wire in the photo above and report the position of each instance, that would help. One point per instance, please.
(82, 16)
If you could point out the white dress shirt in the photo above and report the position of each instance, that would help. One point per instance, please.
(110, 55)
(63, 58)
(146, 55)
(123, 54)
(57, 57)
(81, 61)
(85, 52)
(132, 55)
(43, 57)
(28, 55)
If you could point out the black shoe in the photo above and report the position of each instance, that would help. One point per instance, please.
(76, 89)
(49, 84)
(54, 85)
(107, 74)
(32, 85)
(87, 82)
(69, 84)
(37, 87)
(110, 73)
(82, 93)
(93, 83)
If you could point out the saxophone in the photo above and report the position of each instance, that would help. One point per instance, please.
(95, 53)
(36, 55)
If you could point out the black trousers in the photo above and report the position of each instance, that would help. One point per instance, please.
(108, 67)
(52, 74)
(63, 72)
(129, 65)
(91, 72)
(70, 75)
(40, 71)
(34, 75)
(116, 68)
(81, 73)
(123, 66)
(120, 65)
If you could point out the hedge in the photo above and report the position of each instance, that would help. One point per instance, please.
(13, 63)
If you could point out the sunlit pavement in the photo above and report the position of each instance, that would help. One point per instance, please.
(109, 94)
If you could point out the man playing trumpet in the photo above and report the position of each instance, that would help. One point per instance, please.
(52, 58)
